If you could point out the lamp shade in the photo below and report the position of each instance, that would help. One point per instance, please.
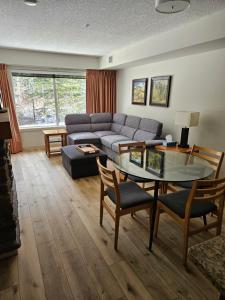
(187, 118)
(5, 130)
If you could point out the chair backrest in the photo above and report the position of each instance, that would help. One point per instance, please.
(128, 147)
(214, 157)
(108, 179)
(206, 191)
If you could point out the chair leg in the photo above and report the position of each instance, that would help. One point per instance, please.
(204, 220)
(101, 212)
(132, 214)
(117, 224)
(185, 245)
(157, 222)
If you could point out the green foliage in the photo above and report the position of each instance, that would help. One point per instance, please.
(37, 102)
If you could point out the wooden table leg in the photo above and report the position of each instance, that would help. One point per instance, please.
(48, 146)
(153, 214)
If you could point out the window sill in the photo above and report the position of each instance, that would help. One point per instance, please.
(39, 128)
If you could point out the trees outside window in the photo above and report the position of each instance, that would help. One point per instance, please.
(46, 99)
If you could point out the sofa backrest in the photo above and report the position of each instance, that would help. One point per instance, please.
(101, 121)
(78, 123)
(148, 129)
(130, 127)
(118, 122)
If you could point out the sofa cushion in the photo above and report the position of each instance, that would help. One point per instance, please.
(72, 119)
(78, 128)
(118, 122)
(115, 146)
(128, 131)
(119, 118)
(100, 126)
(83, 138)
(152, 126)
(116, 127)
(132, 121)
(142, 135)
(110, 139)
(101, 118)
(78, 123)
(104, 133)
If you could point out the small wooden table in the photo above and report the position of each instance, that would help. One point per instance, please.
(175, 148)
(62, 133)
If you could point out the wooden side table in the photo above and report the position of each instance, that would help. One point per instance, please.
(61, 133)
(175, 148)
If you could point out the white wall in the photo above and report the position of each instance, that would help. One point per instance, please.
(198, 84)
(47, 60)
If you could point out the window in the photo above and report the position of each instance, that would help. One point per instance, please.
(45, 99)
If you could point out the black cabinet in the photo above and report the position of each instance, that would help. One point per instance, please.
(9, 223)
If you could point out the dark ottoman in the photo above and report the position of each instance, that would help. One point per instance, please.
(79, 164)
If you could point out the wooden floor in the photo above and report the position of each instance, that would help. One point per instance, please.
(65, 254)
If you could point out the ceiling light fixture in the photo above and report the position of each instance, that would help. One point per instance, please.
(31, 2)
(171, 6)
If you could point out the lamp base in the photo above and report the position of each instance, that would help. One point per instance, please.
(184, 138)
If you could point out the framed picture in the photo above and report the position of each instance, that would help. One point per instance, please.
(160, 91)
(137, 158)
(139, 91)
(155, 162)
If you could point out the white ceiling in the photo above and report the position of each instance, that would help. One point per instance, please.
(60, 25)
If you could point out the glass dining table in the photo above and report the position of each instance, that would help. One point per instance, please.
(162, 167)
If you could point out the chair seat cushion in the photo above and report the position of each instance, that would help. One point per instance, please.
(130, 195)
(104, 133)
(177, 203)
(108, 140)
(185, 184)
(138, 179)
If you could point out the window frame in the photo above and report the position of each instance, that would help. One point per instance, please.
(46, 74)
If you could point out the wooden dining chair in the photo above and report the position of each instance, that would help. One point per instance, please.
(214, 157)
(126, 197)
(206, 196)
(128, 148)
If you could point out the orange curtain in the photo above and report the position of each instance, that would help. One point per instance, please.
(101, 91)
(8, 102)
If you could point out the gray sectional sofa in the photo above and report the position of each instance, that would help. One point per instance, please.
(107, 130)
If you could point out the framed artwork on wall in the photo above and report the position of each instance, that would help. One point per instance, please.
(160, 91)
(139, 91)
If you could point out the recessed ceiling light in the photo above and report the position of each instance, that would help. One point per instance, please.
(171, 6)
(31, 2)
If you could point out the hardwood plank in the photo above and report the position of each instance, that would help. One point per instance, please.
(105, 282)
(30, 277)
(80, 281)
(129, 282)
(54, 277)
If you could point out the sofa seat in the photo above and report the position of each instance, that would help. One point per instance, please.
(108, 140)
(104, 133)
(83, 138)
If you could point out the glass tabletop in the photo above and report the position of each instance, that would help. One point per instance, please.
(163, 165)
